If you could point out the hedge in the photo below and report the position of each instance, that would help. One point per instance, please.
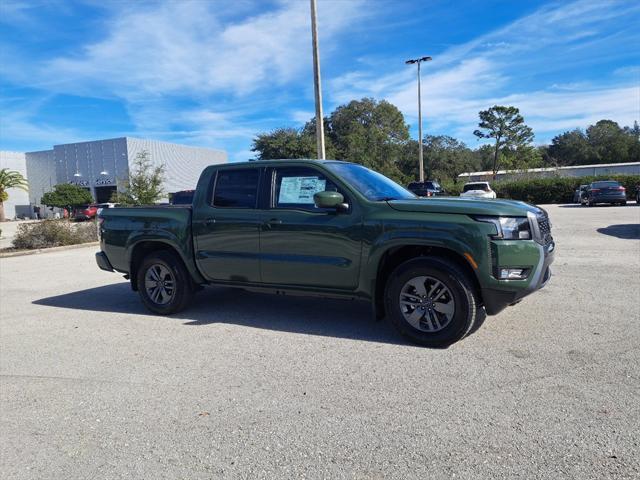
(53, 233)
(549, 190)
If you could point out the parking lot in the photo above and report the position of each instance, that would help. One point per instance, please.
(246, 385)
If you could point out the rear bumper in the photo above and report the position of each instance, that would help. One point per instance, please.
(609, 198)
(103, 262)
(496, 300)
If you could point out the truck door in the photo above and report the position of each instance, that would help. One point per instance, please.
(301, 244)
(226, 227)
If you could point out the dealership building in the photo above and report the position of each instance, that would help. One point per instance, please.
(101, 166)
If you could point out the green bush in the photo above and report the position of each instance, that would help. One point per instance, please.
(558, 189)
(549, 190)
(53, 233)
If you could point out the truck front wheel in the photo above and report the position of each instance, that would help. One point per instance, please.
(163, 283)
(431, 301)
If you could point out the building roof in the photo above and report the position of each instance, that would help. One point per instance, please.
(549, 169)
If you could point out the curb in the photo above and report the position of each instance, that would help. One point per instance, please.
(21, 253)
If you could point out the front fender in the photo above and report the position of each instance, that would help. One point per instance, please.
(459, 234)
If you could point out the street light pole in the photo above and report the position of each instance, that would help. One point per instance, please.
(316, 83)
(420, 154)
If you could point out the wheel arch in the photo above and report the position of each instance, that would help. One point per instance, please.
(140, 250)
(395, 256)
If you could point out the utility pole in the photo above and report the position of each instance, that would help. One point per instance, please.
(316, 83)
(420, 155)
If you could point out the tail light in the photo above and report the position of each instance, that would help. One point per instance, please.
(595, 190)
(99, 224)
(621, 188)
(429, 194)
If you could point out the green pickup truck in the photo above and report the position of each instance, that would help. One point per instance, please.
(334, 229)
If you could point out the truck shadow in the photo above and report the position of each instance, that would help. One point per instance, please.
(630, 231)
(312, 316)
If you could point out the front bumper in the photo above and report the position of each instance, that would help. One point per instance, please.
(103, 262)
(495, 299)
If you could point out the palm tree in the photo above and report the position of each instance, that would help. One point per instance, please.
(10, 179)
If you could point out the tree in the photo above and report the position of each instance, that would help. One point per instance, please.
(448, 157)
(67, 195)
(284, 143)
(372, 133)
(571, 148)
(365, 131)
(144, 184)
(522, 157)
(633, 134)
(604, 142)
(10, 179)
(506, 126)
(610, 142)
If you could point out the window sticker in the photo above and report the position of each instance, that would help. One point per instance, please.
(300, 189)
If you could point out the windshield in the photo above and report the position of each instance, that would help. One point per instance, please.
(373, 185)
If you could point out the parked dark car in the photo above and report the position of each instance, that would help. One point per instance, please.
(428, 188)
(184, 197)
(607, 191)
(579, 193)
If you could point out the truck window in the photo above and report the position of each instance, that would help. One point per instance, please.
(295, 187)
(236, 188)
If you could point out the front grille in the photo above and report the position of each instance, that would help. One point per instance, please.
(544, 225)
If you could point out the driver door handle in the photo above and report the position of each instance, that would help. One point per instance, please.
(270, 223)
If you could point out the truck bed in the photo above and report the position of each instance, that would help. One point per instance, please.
(124, 230)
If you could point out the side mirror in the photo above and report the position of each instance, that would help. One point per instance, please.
(328, 200)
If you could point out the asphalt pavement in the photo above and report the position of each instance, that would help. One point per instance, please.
(246, 385)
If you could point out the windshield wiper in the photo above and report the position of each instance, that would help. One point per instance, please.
(385, 199)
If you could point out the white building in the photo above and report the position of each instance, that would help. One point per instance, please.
(632, 168)
(101, 166)
(15, 161)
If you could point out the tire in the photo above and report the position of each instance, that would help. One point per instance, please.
(164, 266)
(624, 204)
(442, 323)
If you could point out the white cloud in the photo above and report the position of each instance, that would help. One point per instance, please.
(302, 116)
(473, 76)
(169, 62)
(18, 129)
(183, 46)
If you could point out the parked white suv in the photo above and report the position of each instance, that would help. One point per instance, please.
(477, 190)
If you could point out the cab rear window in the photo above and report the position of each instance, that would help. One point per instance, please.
(236, 188)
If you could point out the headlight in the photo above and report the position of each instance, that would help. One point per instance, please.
(509, 228)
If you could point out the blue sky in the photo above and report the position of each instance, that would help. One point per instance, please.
(216, 73)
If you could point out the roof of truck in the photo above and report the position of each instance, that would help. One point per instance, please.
(281, 160)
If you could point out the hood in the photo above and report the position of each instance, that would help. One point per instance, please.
(464, 206)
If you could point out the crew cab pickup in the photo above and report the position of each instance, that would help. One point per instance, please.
(432, 266)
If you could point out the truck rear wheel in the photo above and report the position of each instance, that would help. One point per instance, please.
(431, 301)
(164, 284)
